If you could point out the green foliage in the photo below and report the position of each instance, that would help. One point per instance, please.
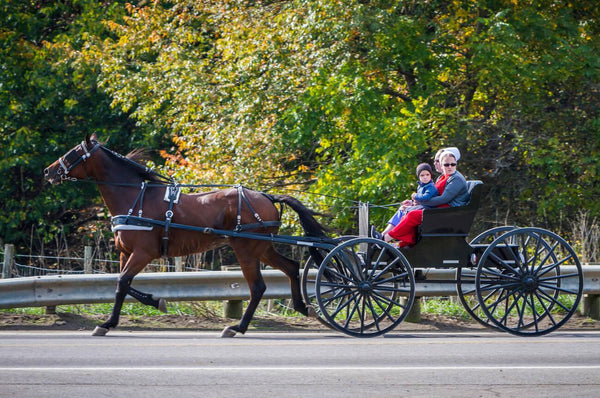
(49, 100)
(338, 98)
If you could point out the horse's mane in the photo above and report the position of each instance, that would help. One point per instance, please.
(132, 161)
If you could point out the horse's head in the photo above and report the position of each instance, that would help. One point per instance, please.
(70, 166)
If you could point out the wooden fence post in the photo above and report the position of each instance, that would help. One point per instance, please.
(87, 259)
(363, 219)
(9, 260)
(178, 264)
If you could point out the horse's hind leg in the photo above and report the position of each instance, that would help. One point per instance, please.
(251, 271)
(292, 269)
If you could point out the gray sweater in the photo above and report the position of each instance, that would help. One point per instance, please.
(455, 193)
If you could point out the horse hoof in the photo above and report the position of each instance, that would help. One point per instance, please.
(312, 313)
(162, 305)
(100, 331)
(228, 332)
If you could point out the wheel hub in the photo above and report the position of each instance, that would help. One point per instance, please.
(364, 287)
(529, 283)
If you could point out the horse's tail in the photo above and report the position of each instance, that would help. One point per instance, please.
(307, 216)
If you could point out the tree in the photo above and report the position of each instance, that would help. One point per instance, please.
(344, 98)
(49, 100)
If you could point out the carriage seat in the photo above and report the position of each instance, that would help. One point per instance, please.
(442, 237)
(455, 221)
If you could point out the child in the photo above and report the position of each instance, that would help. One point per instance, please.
(425, 191)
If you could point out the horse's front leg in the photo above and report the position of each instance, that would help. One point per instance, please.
(130, 267)
(123, 285)
(257, 288)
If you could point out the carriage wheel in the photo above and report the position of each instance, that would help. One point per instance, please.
(529, 282)
(465, 278)
(365, 287)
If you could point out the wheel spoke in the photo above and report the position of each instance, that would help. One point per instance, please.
(376, 318)
(333, 271)
(554, 300)
(558, 289)
(546, 309)
(387, 299)
(345, 305)
(551, 267)
(399, 277)
(502, 263)
(386, 269)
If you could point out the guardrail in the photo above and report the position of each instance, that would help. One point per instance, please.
(42, 291)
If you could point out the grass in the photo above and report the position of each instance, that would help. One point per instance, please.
(279, 307)
(430, 305)
(200, 309)
(444, 306)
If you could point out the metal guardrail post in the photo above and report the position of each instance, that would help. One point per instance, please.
(233, 309)
(414, 314)
(9, 260)
(590, 306)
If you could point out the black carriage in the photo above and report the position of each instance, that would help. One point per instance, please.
(525, 281)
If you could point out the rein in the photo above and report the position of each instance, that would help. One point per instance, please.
(129, 222)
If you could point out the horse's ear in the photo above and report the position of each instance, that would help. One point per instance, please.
(88, 139)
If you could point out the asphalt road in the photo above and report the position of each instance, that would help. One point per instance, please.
(200, 364)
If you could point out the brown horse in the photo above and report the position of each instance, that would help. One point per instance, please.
(120, 179)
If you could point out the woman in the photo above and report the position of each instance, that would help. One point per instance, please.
(453, 190)
(395, 220)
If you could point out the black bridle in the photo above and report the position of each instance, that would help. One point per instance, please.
(72, 158)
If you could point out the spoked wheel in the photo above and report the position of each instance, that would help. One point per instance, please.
(365, 287)
(465, 278)
(529, 282)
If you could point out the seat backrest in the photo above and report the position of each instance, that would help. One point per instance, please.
(453, 220)
(471, 184)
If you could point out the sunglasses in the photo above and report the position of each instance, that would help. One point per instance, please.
(449, 164)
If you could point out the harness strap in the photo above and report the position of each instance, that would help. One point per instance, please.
(242, 196)
(133, 223)
(140, 199)
(168, 218)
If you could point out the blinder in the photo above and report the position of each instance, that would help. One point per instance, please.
(73, 158)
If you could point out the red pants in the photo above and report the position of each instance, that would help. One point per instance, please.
(406, 230)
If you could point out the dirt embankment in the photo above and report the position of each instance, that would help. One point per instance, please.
(68, 321)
